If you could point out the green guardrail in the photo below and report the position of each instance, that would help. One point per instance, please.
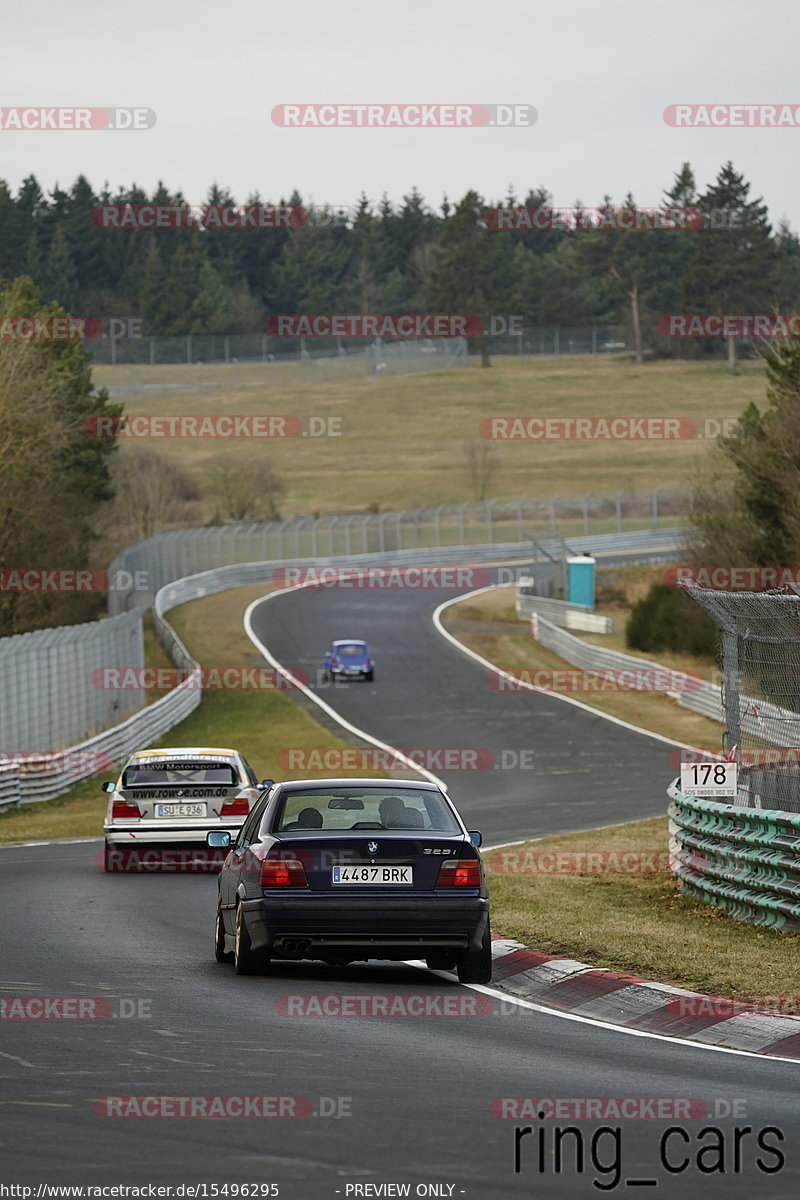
(745, 860)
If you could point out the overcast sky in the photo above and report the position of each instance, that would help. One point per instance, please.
(598, 74)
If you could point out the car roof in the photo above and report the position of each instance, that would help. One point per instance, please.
(296, 785)
(185, 752)
(349, 642)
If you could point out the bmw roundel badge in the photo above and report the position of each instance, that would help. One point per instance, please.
(372, 847)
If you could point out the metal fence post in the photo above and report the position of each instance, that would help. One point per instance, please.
(730, 689)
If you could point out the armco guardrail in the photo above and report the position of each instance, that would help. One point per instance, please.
(9, 785)
(759, 718)
(745, 860)
(548, 607)
(156, 719)
(159, 560)
(597, 659)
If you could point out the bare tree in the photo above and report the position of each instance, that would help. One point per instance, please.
(150, 492)
(249, 490)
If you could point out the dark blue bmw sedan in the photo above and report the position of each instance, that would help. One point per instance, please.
(353, 869)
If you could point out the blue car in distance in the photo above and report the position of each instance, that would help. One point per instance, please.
(349, 658)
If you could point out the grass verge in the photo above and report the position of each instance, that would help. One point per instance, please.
(634, 923)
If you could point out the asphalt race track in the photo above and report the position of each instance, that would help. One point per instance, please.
(412, 1093)
(419, 1088)
(579, 771)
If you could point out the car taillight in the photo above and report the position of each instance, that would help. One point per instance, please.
(121, 808)
(460, 872)
(235, 808)
(281, 868)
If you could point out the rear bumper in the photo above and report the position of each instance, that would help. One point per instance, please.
(370, 927)
(168, 833)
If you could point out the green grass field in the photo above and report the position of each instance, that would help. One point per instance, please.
(404, 439)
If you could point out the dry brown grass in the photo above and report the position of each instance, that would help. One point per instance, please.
(405, 435)
(635, 923)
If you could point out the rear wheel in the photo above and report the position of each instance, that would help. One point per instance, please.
(220, 953)
(369, 676)
(245, 959)
(475, 966)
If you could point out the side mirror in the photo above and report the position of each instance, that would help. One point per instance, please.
(475, 836)
(218, 839)
(109, 787)
(266, 783)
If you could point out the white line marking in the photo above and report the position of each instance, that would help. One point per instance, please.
(437, 621)
(367, 737)
(555, 1012)
(52, 842)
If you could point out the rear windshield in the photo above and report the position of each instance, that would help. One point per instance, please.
(162, 773)
(353, 650)
(356, 808)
